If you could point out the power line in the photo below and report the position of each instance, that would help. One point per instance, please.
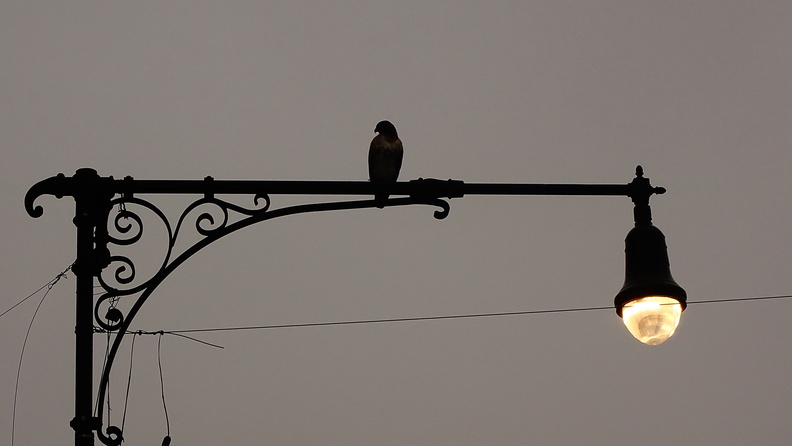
(181, 333)
(429, 318)
(50, 284)
(162, 387)
(382, 321)
(740, 299)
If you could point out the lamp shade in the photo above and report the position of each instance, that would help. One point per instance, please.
(650, 302)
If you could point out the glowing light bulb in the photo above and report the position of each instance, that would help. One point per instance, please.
(652, 320)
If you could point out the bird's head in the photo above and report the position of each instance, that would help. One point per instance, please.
(386, 128)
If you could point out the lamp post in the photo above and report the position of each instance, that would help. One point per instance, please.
(650, 302)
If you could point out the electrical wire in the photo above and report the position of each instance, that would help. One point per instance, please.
(104, 367)
(49, 286)
(428, 318)
(740, 299)
(162, 385)
(194, 339)
(181, 333)
(129, 384)
(387, 320)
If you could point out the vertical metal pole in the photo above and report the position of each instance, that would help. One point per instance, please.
(83, 329)
(92, 205)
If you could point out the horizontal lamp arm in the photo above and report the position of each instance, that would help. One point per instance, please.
(87, 181)
(420, 187)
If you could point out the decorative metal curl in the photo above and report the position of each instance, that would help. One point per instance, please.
(116, 321)
(113, 316)
(224, 207)
(445, 208)
(126, 227)
(209, 226)
(122, 268)
(114, 436)
(129, 223)
(124, 273)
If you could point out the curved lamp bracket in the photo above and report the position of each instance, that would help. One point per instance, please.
(210, 225)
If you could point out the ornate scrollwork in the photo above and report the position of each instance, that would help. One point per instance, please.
(119, 238)
(445, 208)
(114, 436)
(123, 226)
(221, 218)
(121, 277)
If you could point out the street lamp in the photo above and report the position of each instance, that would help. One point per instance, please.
(650, 302)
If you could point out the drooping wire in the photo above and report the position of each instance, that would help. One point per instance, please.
(162, 385)
(49, 287)
(113, 303)
(19, 367)
(129, 381)
(144, 332)
(104, 365)
(195, 339)
(48, 284)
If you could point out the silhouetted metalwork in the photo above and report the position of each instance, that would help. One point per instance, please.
(647, 270)
(646, 254)
(209, 218)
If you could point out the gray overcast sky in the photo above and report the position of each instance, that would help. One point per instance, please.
(699, 93)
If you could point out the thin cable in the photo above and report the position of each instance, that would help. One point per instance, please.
(129, 382)
(357, 322)
(48, 284)
(389, 320)
(158, 332)
(24, 343)
(741, 299)
(422, 318)
(104, 365)
(196, 340)
(434, 318)
(162, 382)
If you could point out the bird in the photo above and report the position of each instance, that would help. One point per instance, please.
(385, 157)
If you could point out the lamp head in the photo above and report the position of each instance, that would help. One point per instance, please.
(650, 302)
